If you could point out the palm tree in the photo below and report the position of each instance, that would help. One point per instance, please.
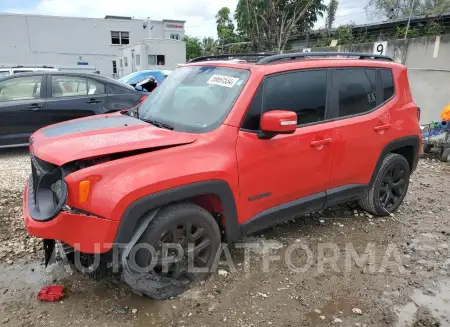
(209, 46)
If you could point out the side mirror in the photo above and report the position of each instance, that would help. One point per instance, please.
(277, 122)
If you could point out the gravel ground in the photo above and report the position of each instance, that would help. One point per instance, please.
(406, 284)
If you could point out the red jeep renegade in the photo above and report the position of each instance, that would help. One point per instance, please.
(219, 150)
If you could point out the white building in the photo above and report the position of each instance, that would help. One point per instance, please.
(151, 54)
(71, 42)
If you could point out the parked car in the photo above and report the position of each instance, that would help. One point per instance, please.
(134, 78)
(30, 101)
(5, 71)
(280, 138)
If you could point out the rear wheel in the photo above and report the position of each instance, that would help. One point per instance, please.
(185, 239)
(389, 189)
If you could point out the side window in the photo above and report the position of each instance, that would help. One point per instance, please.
(304, 92)
(68, 86)
(387, 81)
(95, 87)
(357, 90)
(20, 88)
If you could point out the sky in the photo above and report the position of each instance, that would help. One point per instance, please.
(199, 14)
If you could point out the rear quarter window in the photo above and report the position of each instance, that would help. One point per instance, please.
(387, 81)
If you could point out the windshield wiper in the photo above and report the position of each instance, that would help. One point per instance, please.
(157, 123)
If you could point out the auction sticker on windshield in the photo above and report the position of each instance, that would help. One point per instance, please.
(223, 80)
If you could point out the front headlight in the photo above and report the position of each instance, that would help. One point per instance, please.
(51, 194)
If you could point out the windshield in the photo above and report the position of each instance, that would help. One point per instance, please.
(195, 98)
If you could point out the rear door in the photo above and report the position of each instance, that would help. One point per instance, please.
(73, 96)
(363, 99)
(22, 105)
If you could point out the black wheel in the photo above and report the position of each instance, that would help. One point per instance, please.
(445, 157)
(427, 148)
(197, 238)
(389, 189)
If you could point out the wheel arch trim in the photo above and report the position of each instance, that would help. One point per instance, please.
(136, 210)
(413, 141)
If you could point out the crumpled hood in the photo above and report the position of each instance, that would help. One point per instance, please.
(101, 135)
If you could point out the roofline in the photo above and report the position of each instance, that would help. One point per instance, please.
(89, 18)
(382, 23)
(174, 20)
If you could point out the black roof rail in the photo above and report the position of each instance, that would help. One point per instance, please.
(302, 55)
(250, 57)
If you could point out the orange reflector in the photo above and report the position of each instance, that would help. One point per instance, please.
(83, 192)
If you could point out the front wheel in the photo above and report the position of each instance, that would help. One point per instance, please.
(178, 248)
(389, 189)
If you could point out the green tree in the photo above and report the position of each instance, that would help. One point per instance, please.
(393, 9)
(193, 47)
(225, 26)
(331, 14)
(268, 24)
(209, 46)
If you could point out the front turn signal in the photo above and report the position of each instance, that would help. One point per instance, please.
(83, 191)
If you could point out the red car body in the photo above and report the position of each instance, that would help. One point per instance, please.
(228, 170)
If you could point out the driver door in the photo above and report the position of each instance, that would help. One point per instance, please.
(287, 175)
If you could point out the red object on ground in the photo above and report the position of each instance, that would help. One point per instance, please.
(51, 293)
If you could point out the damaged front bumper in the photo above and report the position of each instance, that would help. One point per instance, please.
(87, 234)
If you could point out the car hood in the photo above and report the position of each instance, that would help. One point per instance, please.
(101, 135)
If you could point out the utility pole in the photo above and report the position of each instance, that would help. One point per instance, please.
(409, 19)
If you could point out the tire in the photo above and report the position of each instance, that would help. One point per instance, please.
(385, 184)
(445, 157)
(427, 148)
(159, 285)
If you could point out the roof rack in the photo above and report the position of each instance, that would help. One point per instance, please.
(302, 55)
(249, 57)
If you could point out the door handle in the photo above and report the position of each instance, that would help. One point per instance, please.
(93, 101)
(36, 106)
(323, 142)
(382, 127)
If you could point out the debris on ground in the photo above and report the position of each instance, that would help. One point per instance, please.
(51, 293)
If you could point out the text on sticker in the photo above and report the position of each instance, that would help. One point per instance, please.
(223, 80)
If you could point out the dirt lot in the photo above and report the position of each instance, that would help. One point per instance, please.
(405, 283)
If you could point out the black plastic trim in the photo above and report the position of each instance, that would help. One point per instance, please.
(139, 208)
(344, 193)
(284, 212)
(412, 140)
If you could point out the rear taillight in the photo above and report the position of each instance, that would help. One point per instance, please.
(142, 98)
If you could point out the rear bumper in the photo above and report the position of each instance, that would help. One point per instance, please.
(84, 233)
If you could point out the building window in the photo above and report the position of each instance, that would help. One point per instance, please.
(114, 67)
(138, 60)
(120, 37)
(125, 61)
(157, 60)
(152, 60)
(120, 63)
(175, 36)
(161, 60)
